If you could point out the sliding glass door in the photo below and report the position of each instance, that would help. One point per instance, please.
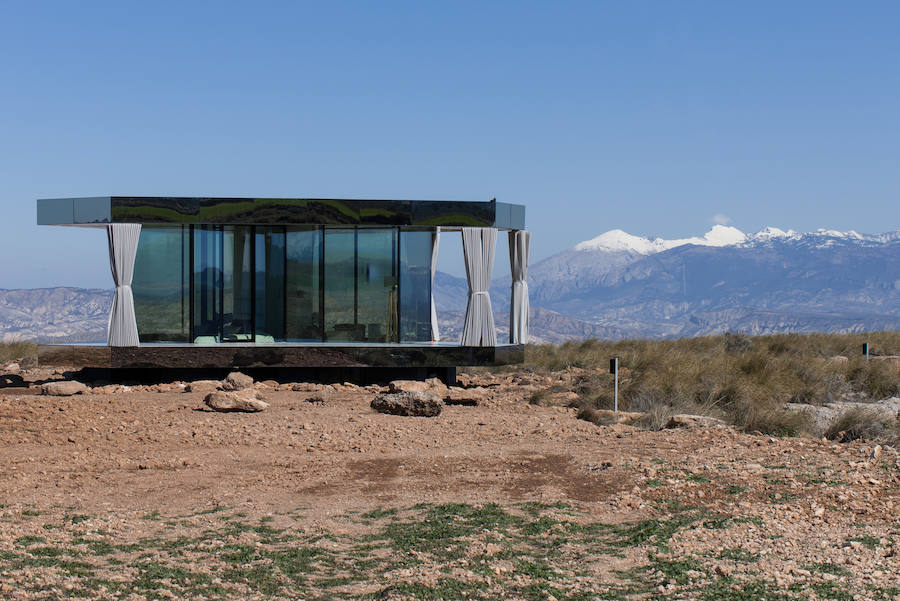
(275, 284)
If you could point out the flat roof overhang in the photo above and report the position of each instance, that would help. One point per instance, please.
(161, 210)
(310, 355)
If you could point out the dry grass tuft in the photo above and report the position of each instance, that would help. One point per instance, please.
(21, 351)
(862, 423)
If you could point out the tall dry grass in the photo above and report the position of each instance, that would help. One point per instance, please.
(744, 380)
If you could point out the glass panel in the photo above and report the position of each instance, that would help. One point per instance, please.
(270, 299)
(415, 286)
(303, 294)
(376, 276)
(340, 286)
(237, 305)
(207, 283)
(161, 284)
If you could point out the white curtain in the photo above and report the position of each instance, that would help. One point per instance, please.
(435, 241)
(479, 244)
(519, 245)
(123, 243)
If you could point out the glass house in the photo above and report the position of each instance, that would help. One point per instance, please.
(248, 282)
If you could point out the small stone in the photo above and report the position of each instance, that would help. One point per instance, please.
(876, 452)
(819, 512)
(693, 421)
(319, 398)
(202, 386)
(305, 387)
(722, 570)
(247, 400)
(462, 396)
(64, 388)
(237, 381)
(408, 386)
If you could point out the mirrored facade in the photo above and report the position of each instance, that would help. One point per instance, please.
(211, 284)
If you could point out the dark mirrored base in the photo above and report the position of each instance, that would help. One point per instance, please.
(187, 356)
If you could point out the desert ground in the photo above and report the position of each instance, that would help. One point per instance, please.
(143, 492)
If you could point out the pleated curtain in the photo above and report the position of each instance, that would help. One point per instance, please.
(123, 242)
(479, 245)
(519, 245)
(435, 241)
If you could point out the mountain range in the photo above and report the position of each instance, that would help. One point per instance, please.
(618, 285)
(622, 286)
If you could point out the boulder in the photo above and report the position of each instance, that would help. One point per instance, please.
(247, 400)
(684, 420)
(64, 388)
(413, 404)
(12, 368)
(237, 381)
(202, 386)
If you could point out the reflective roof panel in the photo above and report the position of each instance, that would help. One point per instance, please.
(279, 211)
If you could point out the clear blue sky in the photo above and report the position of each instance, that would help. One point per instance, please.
(647, 116)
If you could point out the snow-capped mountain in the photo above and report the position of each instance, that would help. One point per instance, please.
(619, 241)
(771, 281)
(719, 235)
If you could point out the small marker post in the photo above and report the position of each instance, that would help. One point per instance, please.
(866, 350)
(614, 370)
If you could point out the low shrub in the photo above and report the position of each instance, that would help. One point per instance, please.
(862, 423)
(744, 380)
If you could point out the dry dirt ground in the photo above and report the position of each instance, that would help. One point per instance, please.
(136, 494)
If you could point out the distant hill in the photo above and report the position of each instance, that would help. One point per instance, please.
(54, 314)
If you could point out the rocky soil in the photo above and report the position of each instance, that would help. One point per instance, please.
(144, 492)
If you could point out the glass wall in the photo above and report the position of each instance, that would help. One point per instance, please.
(269, 316)
(415, 285)
(237, 278)
(207, 287)
(303, 284)
(376, 285)
(340, 285)
(161, 284)
(210, 284)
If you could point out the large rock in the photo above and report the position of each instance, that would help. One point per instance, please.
(684, 420)
(64, 388)
(413, 403)
(235, 400)
(437, 385)
(237, 381)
